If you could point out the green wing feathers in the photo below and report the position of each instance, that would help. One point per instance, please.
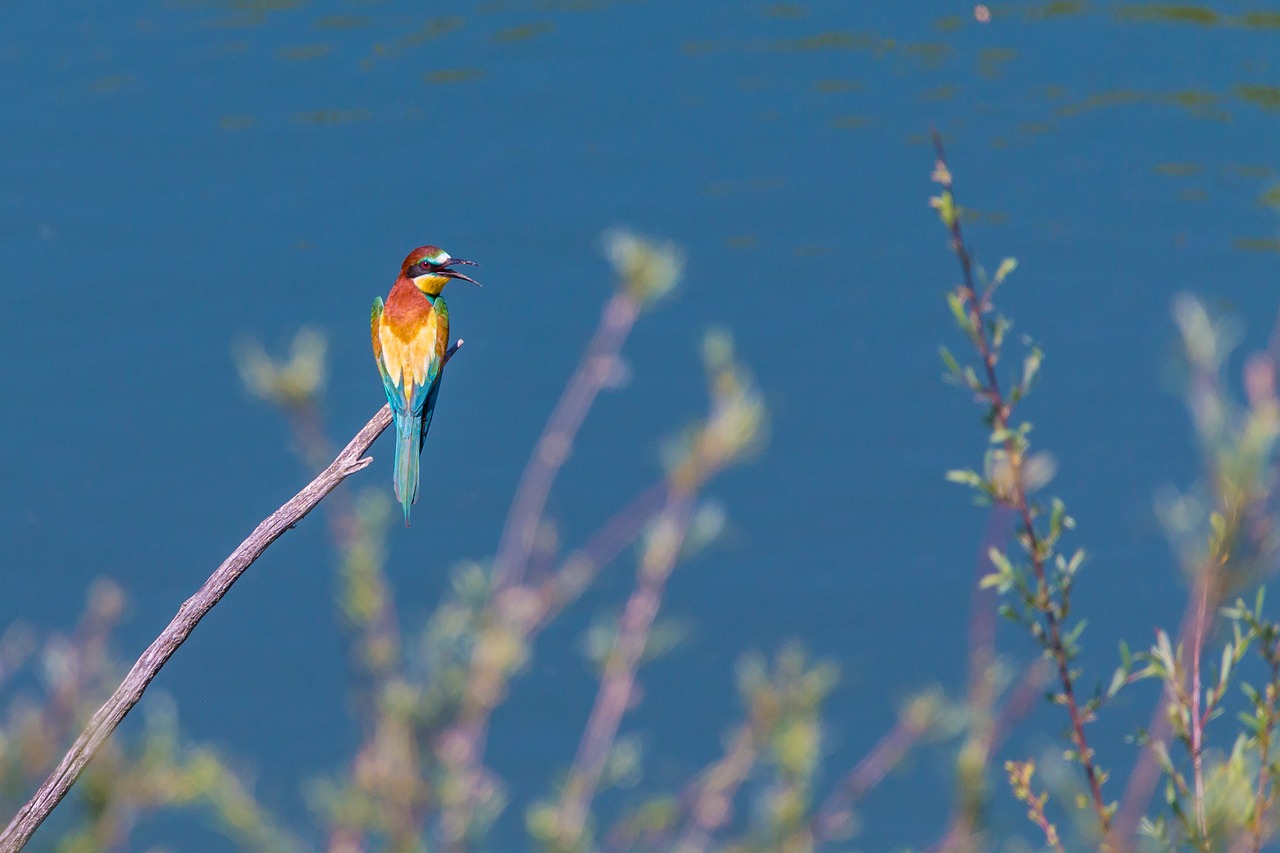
(374, 316)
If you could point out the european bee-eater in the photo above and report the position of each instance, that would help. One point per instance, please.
(410, 337)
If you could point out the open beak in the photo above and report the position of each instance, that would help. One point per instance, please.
(455, 274)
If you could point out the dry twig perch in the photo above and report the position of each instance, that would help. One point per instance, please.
(113, 711)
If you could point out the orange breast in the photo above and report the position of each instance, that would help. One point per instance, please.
(411, 338)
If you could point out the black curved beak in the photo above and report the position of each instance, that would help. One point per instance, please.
(455, 274)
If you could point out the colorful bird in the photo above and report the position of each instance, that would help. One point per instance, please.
(410, 337)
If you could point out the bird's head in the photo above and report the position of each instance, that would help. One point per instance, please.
(430, 268)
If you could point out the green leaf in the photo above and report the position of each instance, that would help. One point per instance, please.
(959, 310)
(1163, 648)
(965, 478)
(995, 579)
(1057, 512)
(1118, 679)
(1070, 637)
(1007, 266)
(1219, 525)
(953, 366)
(1076, 561)
(946, 206)
(1031, 368)
(999, 328)
(999, 560)
(1228, 658)
(1252, 724)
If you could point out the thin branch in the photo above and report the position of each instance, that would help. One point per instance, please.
(540, 602)
(982, 688)
(712, 805)
(617, 686)
(836, 812)
(114, 710)
(1020, 773)
(553, 446)
(1198, 720)
(581, 567)
(1146, 772)
(1001, 410)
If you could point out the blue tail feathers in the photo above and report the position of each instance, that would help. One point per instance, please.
(411, 434)
(408, 449)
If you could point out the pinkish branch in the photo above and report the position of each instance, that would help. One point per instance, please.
(121, 702)
(114, 710)
(617, 686)
(592, 375)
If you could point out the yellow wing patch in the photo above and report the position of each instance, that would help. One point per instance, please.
(408, 360)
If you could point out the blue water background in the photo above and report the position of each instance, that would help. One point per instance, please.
(179, 175)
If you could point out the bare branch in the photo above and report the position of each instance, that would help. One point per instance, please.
(617, 684)
(112, 713)
(557, 438)
(114, 710)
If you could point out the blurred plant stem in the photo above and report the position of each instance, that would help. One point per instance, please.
(516, 611)
(647, 272)
(835, 817)
(618, 682)
(1226, 542)
(129, 777)
(732, 428)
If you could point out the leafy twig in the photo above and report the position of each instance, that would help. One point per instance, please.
(1020, 780)
(1266, 713)
(1009, 487)
(1224, 547)
(1259, 724)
